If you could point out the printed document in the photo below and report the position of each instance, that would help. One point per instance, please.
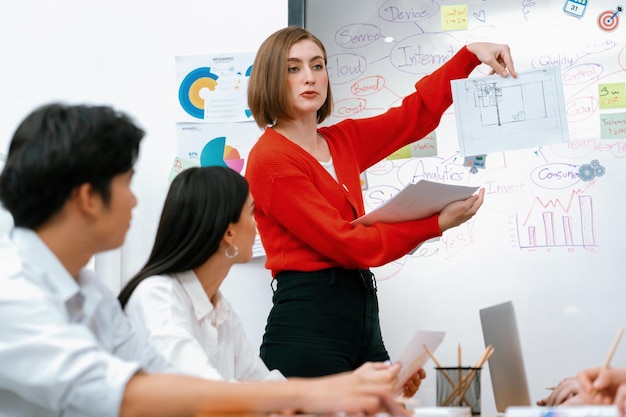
(417, 201)
(414, 355)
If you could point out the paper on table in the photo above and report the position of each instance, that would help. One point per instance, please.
(414, 355)
(417, 201)
(563, 411)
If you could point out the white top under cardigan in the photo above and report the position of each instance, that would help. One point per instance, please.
(177, 316)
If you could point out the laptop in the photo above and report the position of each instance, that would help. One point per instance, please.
(506, 365)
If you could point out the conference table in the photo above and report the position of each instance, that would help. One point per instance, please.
(425, 412)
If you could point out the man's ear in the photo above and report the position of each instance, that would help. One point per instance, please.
(86, 199)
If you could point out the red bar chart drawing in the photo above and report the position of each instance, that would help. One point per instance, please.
(553, 223)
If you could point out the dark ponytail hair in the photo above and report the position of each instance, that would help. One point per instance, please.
(200, 205)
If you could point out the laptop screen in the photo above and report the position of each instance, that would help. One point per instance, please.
(506, 365)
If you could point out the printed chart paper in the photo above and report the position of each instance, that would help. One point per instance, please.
(213, 88)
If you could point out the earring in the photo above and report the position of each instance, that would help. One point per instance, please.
(231, 255)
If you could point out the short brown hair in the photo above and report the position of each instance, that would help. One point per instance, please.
(268, 97)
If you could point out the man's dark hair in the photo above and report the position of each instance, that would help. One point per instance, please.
(58, 147)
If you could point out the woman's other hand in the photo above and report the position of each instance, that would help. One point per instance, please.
(459, 212)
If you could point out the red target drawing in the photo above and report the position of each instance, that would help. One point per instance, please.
(608, 20)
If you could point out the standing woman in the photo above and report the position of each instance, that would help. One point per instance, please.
(306, 186)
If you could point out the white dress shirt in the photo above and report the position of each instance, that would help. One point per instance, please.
(177, 316)
(66, 348)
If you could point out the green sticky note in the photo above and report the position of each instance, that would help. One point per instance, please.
(613, 126)
(179, 165)
(612, 96)
(422, 148)
(454, 17)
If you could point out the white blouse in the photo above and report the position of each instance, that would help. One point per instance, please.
(177, 317)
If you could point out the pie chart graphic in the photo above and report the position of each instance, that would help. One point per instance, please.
(233, 159)
(189, 90)
(217, 153)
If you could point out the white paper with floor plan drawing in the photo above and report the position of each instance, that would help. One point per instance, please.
(498, 114)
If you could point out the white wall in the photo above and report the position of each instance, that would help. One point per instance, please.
(121, 52)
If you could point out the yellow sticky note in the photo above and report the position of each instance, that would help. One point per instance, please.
(402, 153)
(454, 17)
(612, 96)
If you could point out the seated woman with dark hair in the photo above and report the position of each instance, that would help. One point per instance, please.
(207, 225)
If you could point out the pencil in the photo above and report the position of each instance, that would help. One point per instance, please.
(609, 357)
(458, 390)
(438, 365)
(467, 381)
(454, 386)
(460, 361)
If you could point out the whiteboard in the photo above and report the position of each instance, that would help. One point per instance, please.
(550, 235)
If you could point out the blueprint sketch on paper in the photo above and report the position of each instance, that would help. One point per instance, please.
(498, 114)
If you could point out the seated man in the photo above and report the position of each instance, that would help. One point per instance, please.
(65, 346)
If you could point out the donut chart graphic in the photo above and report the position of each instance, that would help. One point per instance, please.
(608, 20)
(217, 153)
(189, 90)
(247, 111)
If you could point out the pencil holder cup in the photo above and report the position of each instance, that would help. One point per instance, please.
(459, 387)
